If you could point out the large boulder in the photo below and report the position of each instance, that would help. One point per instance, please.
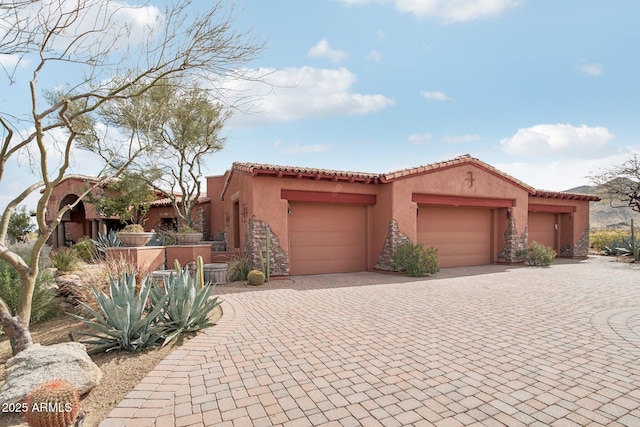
(38, 364)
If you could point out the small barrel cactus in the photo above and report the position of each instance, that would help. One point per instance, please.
(52, 404)
(255, 278)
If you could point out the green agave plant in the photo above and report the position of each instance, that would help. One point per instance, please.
(185, 306)
(126, 321)
(109, 240)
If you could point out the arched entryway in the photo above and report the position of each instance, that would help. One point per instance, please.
(74, 224)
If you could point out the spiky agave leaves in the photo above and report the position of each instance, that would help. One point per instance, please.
(126, 320)
(186, 306)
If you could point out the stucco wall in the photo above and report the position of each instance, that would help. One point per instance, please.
(69, 187)
(216, 209)
(455, 181)
(574, 227)
(260, 197)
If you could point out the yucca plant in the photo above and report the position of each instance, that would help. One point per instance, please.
(185, 305)
(65, 259)
(126, 322)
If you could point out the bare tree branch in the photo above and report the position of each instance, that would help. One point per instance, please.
(117, 60)
(620, 184)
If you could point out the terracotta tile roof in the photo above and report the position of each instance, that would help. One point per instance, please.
(258, 169)
(419, 170)
(563, 195)
(300, 172)
(165, 201)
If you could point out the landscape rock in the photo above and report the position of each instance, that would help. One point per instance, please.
(69, 284)
(38, 364)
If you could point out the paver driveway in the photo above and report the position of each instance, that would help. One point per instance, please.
(487, 345)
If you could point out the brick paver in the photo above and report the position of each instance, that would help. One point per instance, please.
(490, 345)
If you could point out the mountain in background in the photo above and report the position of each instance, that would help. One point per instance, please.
(602, 214)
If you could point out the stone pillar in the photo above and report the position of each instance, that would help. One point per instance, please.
(579, 249)
(394, 239)
(94, 229)
(102, 226)
(61, 235)
(255, 243)
(513, 244)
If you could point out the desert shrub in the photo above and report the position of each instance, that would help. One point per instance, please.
(23, 249)
(599, 239)
(133, 228)
(43, 306)
(538, 255)
(166, 234)
(86, 249)
(415, 260)
(238, 269)
(20, 225)
(65, 259)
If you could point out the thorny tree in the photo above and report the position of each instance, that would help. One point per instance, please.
(116, 57)
(621, 184)
(182, 124)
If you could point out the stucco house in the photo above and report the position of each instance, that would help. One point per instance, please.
(327, 221)
(83, 220)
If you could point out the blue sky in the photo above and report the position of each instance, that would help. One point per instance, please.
(546, 91)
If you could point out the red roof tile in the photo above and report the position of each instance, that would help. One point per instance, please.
(165, 201)
(258, 169)
(563, 195)
(301, 172)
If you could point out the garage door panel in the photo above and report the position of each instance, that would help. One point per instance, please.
(462, 235)
(542, 228)
(327, 238)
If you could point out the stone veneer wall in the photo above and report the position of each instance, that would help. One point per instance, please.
(200, 222)
(256, 243)
(394, 239)
(580, 249)
(513, 243)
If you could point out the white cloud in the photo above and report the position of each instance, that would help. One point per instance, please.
(461, 139)
(561, 175)
(435, 96)
(448, 10)
(380, 35)
(374, 56)
(22, 169)
(290, 94)
(592, 70)
(295, 149)
(419, 138)
(10, 61)
(323, 50)
(545, 139)
(97, 27)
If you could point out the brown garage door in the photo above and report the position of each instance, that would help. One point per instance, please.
(542, 228)
(327, 238)
(462, 235)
